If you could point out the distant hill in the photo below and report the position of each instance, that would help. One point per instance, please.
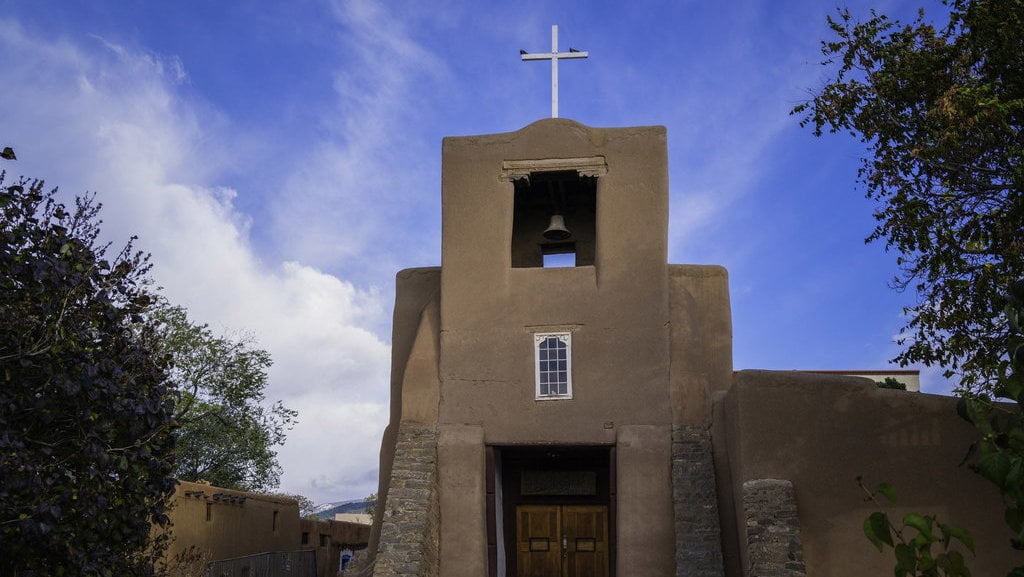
(329, 510)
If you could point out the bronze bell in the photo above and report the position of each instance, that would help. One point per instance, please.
(556, 229)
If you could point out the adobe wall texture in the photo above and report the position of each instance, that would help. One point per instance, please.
(462, 495)
(241, 524)
(328, 538)
(238, 524)
(701, 347)
(820, 432)
(645, 520)
(416, 310)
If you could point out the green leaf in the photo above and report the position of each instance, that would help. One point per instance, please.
(1017, 357)
(922, 523)
(1014, 317)
(961, 409)
(922, 541)
(1015, 474)
(952, 564)
(878, 530)
(1012, 387)
(926, 565)
(977, 412)
(994, 466)
(960, 534)
(886, 490)
(906, 560)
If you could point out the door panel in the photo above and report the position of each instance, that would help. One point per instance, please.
(562, 541)
(539, 549)
(586, 532)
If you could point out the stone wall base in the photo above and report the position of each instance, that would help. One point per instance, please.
(410, 524)
(773, 529)
(698, 532)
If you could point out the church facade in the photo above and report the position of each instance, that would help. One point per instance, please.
(564, 401)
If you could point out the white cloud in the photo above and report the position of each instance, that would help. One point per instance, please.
(346, 446)
(365, 193)
(109, 118)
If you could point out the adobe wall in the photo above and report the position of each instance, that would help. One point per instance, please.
(416, 291)
(701, 354)
(462, 492)
(616, 310)
(239, 523)
(328, 538)
(819, 432)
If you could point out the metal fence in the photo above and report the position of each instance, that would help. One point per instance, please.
(277, 564)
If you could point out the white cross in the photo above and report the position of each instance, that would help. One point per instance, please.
(554, 57)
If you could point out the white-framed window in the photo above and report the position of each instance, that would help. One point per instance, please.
(553, 365)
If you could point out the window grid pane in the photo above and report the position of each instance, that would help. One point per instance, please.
(553, 367)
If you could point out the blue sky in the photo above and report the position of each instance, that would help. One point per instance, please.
(281, 161)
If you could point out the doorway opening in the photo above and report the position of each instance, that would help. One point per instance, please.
(551, 511)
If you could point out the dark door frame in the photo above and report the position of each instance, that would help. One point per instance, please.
(509, 461)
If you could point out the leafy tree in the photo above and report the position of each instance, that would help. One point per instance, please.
(226, 435)
(85, 411)
(941, 111)
(306, 505)
(891, 383)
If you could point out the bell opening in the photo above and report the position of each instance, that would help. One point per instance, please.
(554, 213)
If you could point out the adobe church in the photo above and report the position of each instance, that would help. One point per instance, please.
(586, 421)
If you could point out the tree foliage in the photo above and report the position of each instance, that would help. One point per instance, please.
(923, 546)
(941, 112)
(306, 505)
(226, 435)
(85, 411)
(999, 454)
(891, 383)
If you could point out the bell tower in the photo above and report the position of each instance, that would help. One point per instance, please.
(500, 195)
(548, 365)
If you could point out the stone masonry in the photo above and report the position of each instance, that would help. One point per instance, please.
(409, 530)
(698, 533)
(773, 529)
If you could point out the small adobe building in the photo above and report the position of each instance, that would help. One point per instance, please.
(584, 419)
(218, 531)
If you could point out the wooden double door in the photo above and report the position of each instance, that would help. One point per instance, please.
(562, 541)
